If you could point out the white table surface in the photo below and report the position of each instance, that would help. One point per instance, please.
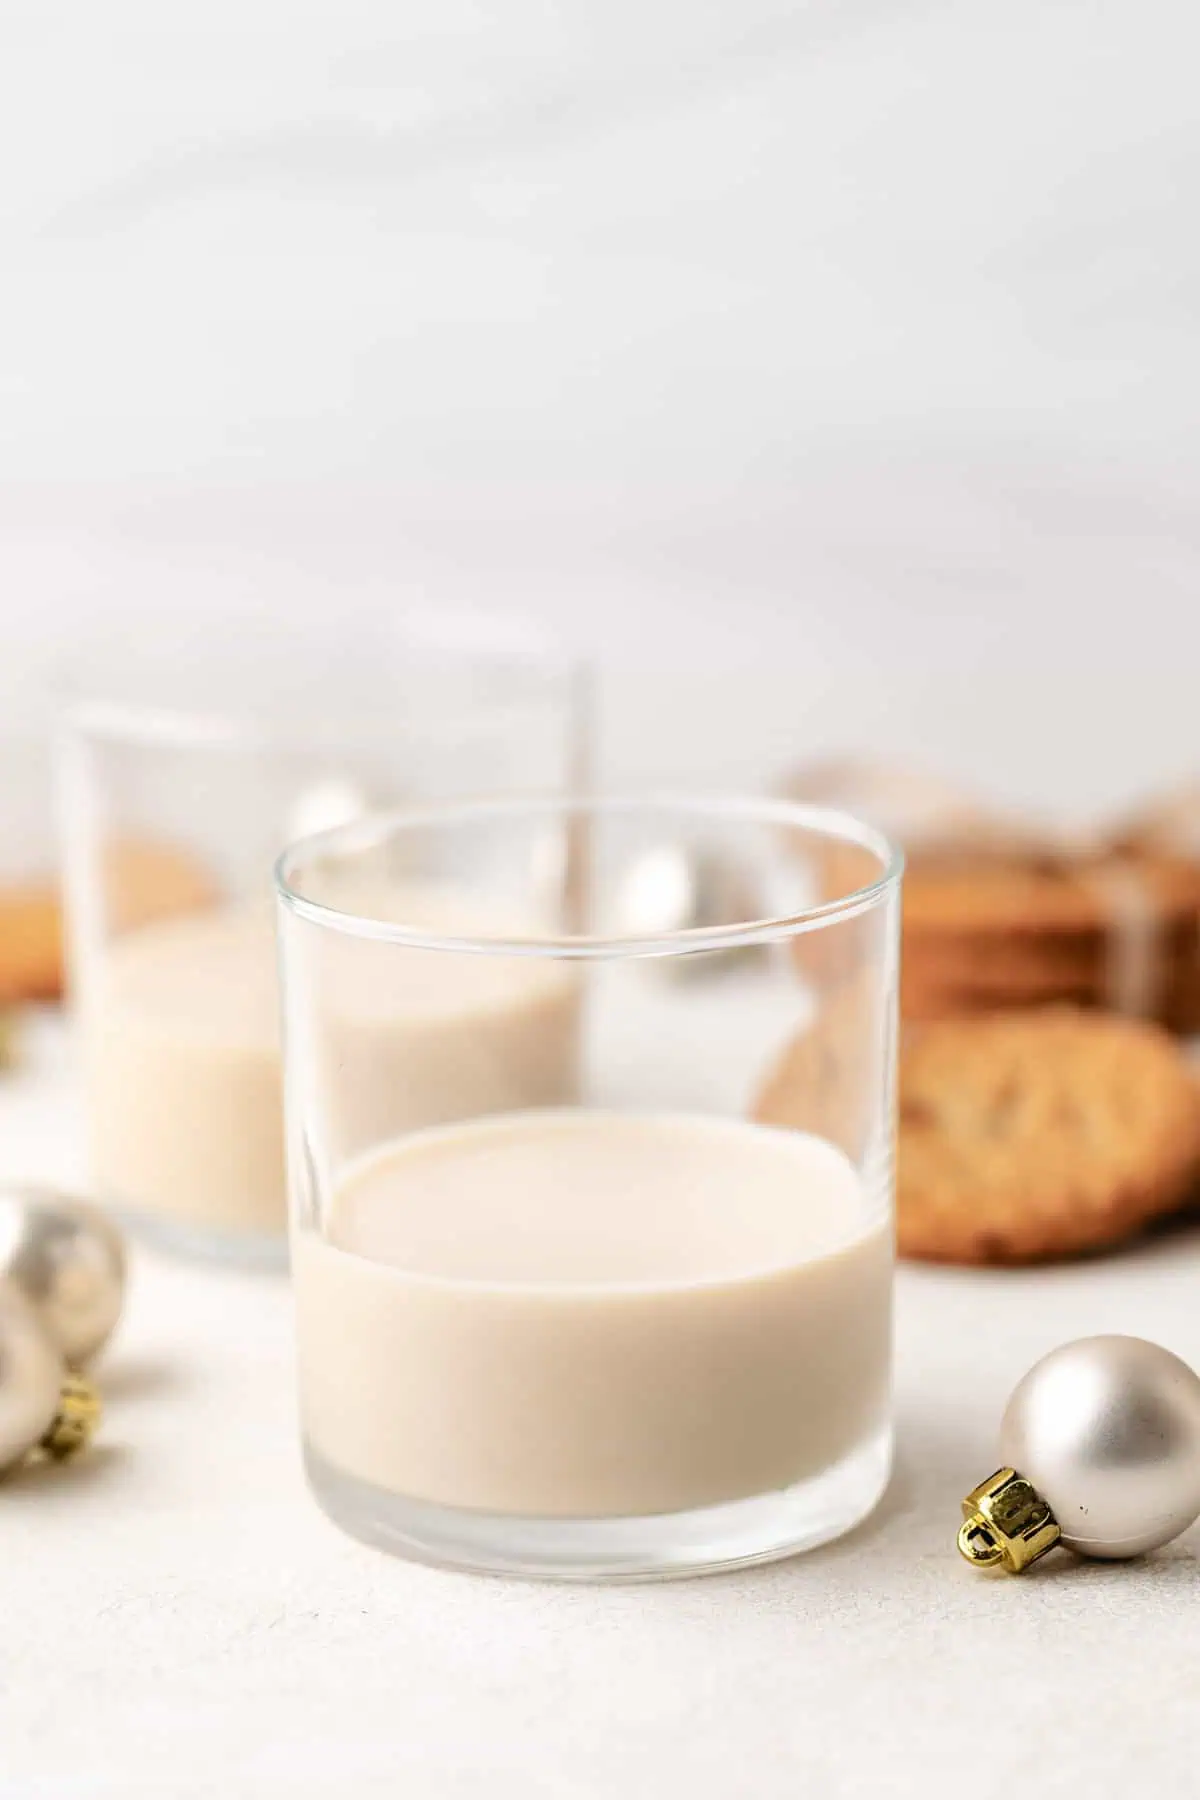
(177, 1619)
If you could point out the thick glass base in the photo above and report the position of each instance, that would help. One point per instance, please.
(202, 1243)
(760, 1529)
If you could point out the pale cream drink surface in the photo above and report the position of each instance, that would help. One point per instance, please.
(587, 1314)
(183, 1071)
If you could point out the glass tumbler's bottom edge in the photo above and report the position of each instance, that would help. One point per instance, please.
(186, 1239)
(763, 1528)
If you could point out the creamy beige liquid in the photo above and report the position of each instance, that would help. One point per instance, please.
(588, 1314)
(183, 1078)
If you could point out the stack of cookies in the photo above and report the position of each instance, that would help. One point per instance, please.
(999, 915)
(1044, 1109)
(988, 931)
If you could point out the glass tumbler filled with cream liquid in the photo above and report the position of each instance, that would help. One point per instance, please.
(590, 1122)
(178, 793)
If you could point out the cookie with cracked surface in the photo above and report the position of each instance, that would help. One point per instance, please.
(1033, 1135)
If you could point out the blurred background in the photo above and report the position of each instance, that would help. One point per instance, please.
(830, 372)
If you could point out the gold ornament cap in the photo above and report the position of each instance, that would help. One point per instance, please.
(1006, 1524)
(74, 1424)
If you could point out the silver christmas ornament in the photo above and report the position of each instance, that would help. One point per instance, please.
(1101, 1442)
(68, 1259)
(676, 887)
(31, 1378)
(323, 806)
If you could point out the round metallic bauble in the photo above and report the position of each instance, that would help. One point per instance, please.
(324, 806)
(68, 1259)
(674, 887)
(677, 887)
(1108, 1431)
(31, 1375)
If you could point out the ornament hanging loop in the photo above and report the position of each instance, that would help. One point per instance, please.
(1006, 1524)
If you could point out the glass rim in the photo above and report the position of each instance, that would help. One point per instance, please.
(375, 829)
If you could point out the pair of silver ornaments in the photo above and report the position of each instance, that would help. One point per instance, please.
(62, 1284)
(1101, 1445)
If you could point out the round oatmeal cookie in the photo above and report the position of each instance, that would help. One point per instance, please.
(1039, 1134)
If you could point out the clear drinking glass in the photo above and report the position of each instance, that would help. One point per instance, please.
(30, 904)
(590, 1126)
(177, 796)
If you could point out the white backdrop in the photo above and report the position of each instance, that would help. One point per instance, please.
(830, 370)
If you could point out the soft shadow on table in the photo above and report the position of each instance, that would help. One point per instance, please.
(938, 1460)
(140, 1377)
(1175, 1567)
(936, 1463)
(940, 1457)
(47, 1480)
